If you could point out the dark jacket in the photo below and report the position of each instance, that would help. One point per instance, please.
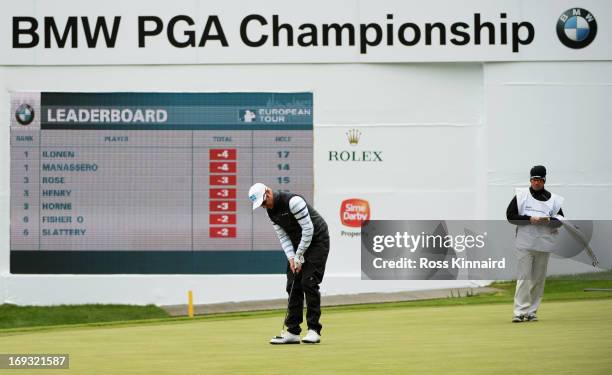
(282, 216)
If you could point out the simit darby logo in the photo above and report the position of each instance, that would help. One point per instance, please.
(576, 28)
(354, 212)
(24, 114)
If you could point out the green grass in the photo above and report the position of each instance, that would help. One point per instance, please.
(571, 337)
(29, 318)
(467, 335)
(12, 316)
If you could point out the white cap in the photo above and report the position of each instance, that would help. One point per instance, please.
(256, 194)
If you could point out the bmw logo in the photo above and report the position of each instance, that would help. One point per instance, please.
(24, 114)
(576, 28)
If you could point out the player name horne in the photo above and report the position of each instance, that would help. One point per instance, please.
(107, 115)
(426, 263)
(58, 206)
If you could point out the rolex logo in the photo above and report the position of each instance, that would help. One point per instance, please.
(353, 155)
(353, 136)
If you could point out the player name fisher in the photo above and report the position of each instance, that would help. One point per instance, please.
(57, 219)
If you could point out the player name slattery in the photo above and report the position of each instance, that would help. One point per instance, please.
(63, 232)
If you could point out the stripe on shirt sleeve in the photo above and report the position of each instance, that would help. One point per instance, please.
(299, 209)
(285, 241)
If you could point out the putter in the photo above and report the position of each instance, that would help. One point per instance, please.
(287, 312)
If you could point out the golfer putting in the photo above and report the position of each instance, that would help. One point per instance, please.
(304, 238)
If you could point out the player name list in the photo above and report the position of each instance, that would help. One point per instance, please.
(151, 187)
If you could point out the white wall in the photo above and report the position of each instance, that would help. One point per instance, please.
(555, 114)
(452, 135)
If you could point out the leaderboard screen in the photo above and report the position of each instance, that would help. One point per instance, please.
(142, 183)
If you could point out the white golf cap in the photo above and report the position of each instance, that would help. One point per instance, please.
(256, 194)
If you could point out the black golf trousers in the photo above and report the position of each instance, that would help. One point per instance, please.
(307, 284)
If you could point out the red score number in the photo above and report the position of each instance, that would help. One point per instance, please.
(222, 193)
(222, 180)
(222, 154)
(222, 206)
(222, 219)
(222, 167)
(222, 232)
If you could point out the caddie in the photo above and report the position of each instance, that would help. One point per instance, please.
(535, 213)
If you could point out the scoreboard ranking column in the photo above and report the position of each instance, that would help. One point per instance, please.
(25, 175)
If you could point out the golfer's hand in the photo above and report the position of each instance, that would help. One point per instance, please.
(298, 260)
(292, 265)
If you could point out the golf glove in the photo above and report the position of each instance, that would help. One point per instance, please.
(299, 259)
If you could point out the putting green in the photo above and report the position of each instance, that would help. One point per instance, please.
(571, 337)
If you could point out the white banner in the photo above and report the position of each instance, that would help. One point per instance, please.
(74, 32)
(363, 173)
